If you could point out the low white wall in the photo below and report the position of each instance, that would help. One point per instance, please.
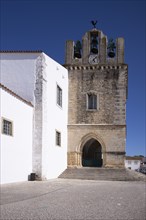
(16, 150)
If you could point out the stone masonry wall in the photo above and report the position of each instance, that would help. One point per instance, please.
(109, 85)
(111, 138)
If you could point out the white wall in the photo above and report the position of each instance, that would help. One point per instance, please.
(17, 72)
(16, 150)
(132, 165)
(55, 157)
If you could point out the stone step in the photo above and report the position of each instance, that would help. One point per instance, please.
(102, 174)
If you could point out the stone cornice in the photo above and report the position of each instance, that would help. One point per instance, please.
(98, 125)
(95, 67)
(116, 152)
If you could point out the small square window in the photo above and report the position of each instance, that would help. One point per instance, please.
(58, 138)
(91, 101)
(59, 96)
(7, 127)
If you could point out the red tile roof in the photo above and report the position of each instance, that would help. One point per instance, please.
(133, 158)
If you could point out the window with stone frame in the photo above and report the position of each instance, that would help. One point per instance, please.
(58, 138)
(59, 96)
(7, 127)
(91, 101)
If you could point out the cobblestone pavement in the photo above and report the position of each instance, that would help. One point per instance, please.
(73, 199)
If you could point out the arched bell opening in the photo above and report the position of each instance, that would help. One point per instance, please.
(92, 154)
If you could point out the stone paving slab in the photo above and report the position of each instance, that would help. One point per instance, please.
(73, 199)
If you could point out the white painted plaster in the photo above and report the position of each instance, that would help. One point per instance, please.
(55, 157)
(17, 72)
(132, 165)
(33, 77)
(16, 150)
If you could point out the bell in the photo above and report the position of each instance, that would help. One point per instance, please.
(94, 50)
(94, 45)
(77, 54)
(111, 54)
(77, 50)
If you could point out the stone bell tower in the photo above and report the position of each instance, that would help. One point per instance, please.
(97, 101)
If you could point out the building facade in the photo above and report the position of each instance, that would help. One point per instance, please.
(133, 163)
(42, 82)
(16, 117)
(97, 101)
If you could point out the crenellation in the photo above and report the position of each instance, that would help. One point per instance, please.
(120, 50)
(69, 52)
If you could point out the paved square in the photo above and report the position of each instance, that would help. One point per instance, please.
(73, 199)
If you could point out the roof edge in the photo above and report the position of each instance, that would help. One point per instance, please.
(21, 51)
(15, 95)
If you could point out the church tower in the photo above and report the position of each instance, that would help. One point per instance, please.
(97, 101)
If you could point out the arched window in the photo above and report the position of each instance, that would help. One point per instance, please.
(91, 101)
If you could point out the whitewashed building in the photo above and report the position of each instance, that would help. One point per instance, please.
(16, 137)
(132, 163)
(34, 91)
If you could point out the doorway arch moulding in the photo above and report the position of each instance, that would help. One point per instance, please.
(84, 140)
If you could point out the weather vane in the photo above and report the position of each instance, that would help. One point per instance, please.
(94, 23)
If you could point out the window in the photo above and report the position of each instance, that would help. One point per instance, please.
(135, 162)
(58, 138)
(59, 96)
(129, 161)
(91, 101)
(7, 127)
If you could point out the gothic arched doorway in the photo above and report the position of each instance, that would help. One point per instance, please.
(92, 154)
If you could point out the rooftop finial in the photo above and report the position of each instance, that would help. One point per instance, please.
(94, 23)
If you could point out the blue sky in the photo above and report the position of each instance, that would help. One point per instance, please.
(47, 24)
